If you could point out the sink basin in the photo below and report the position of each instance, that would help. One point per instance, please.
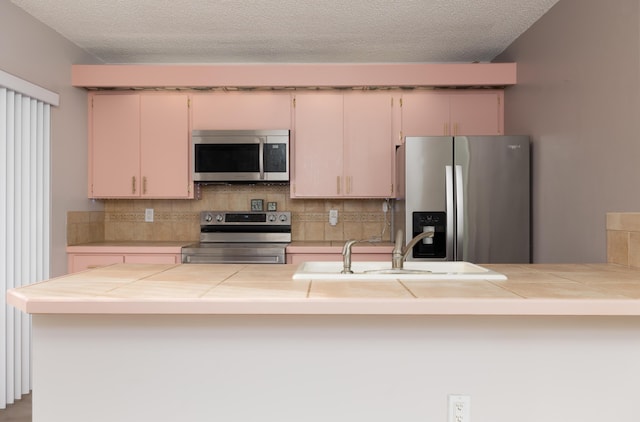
(413, 270)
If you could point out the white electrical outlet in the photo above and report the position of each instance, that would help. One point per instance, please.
(385, 207)
(459, 408)
(148, 215)
(333, 217)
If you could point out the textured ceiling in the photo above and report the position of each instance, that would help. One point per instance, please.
(289, 31)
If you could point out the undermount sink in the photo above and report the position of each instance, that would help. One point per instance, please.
(413, 270)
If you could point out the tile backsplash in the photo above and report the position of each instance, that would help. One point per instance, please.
(623, 238)
(178, 220)
(85, 226)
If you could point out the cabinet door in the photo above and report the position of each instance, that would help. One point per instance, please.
(317, 146)
(368, 145)
(114, 146)
(164, 145)
(299, 258)
(241, 110)
(425, 113)
(83, 262)
(476, 113)
(152, 259)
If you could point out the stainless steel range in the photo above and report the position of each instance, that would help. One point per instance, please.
(240, 237)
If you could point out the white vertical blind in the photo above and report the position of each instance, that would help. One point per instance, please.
(24, 227)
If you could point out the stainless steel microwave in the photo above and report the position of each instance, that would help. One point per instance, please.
(240, 155)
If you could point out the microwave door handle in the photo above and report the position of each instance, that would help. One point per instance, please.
(261, 157)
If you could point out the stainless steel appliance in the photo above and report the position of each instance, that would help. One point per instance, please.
(471, 191)
(240, 155)
(240, 237)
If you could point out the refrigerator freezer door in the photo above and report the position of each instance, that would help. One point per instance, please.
(426, 161)
(460, 222)
(495, 207)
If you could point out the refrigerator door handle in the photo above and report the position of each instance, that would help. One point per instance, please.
(450, 212)
(459, 214)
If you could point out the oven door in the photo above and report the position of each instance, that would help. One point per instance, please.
(234, 253)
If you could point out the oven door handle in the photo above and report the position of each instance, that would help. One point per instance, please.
(200, 259)
(261, 157)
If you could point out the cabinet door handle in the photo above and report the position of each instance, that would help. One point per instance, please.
(144, 185)
(338, 184)
(133, 184)
(445, 129)
(349, 184)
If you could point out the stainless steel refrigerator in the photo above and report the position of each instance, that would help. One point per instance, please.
(473, 192)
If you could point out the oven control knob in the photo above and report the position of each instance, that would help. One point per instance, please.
(283, 217)
(219, 218)
(208, 218)
(271, 218)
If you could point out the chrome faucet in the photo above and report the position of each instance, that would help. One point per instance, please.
(399, 255)
(346, 255)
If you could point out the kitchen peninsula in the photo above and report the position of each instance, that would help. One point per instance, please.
(246, 342)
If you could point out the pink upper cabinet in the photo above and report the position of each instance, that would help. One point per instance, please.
(139, 145)
(317, 153)
(342, 145)
(114, 146)
(477, 113)
(368, 144)
(241, 110)
(164, 146)
(443, 113)
(425, 113)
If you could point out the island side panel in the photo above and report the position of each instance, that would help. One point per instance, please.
(338, 368)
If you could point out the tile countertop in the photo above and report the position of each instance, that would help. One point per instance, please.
(129, 247)
(320, 246)
(538, 289)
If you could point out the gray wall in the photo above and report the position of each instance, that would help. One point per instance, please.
(578, 97)
(34, 52)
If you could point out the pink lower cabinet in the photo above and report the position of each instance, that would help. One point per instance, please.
(298, 258)
(298, 252)
(81, 262)
(152, 259)
(84, 257)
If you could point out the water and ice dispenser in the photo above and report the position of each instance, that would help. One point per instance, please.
(431, 247)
